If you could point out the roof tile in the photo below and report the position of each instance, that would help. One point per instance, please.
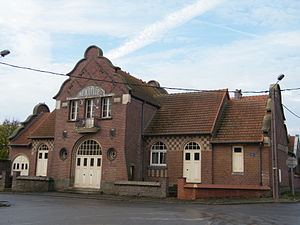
(243, 120)
(186, 113)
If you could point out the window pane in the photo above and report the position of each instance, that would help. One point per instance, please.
(162, 158)
(46, 155)
(85, 162)
(106, 107)
(237, 149)
(22, 167)
(187, 156)
(26, 166)
(78, 161)
(89, 108)
(40, 155)
(154, 157)
(92, 162)
(98, 162)
(197, 156)
(18, 166)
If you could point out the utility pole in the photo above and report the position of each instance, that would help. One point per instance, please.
(274, 147)
(275, 170)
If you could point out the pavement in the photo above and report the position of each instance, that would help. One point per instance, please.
(169, 200)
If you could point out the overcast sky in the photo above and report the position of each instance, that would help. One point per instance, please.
(204, 44)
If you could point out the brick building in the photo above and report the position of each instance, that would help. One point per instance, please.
(109, 126)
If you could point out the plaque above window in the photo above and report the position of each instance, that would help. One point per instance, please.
(90, 91)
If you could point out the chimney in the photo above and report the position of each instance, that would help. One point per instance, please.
(238, 94)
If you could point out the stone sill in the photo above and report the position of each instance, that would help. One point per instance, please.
(158, 167)
(221, 186)
(138, 183)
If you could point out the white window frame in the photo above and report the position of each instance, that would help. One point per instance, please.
(106, 107)
(89, 108)
(160, 149)
(237, 160)
(73, 110)
(21, 164)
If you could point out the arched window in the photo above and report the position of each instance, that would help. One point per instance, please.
(158, 154)
(192, 146)
(190, 149)
(21, 164)
(89, 147)
(43, 150)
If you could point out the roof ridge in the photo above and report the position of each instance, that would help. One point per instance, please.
(194, 92)
(250, 97)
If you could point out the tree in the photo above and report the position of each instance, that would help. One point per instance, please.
(6, 129)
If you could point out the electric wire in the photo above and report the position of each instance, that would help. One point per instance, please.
(142, 85)
(291, 111)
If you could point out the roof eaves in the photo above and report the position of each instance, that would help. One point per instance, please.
(235, 141)
(20, 145)
(41, 137)
(175, 134)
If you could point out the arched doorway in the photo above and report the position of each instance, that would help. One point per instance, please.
(21, 164)
(192, 162)
(88, 163)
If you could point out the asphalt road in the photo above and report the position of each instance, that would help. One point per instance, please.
(32, 209)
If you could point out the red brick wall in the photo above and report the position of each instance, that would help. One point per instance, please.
(174, 157)
(222, 165)
(16, 151)
(137, 116)
(100, 69)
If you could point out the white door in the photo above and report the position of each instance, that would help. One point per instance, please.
(21, 164)
(192, 163)
(88, 165)
(42, 161)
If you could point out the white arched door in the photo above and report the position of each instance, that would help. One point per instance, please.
(42, 160)
(192, 162)
(21, 164)
(88, 165)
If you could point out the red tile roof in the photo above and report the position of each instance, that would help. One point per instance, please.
(187, 113)
(243, 120)
(46, 129)
(139, 88)
(23, 137)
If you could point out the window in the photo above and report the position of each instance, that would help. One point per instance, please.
(106, 107)
(89, 147)
(89, 108)
(21, 164)
(237, 160)
(73, 110)
(158, 154)
(192, 146)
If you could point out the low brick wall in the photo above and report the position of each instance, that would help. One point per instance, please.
(31, 184)
(142, 188)
(195, 191)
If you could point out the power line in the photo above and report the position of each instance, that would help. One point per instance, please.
(133, 84)
(291, 111)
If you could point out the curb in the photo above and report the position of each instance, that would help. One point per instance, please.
(136, 199)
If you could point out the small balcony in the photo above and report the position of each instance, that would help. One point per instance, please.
(87, 125)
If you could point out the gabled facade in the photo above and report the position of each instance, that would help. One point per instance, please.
(109, 126)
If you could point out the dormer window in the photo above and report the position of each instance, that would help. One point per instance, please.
(106, 107)
(73, 110)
